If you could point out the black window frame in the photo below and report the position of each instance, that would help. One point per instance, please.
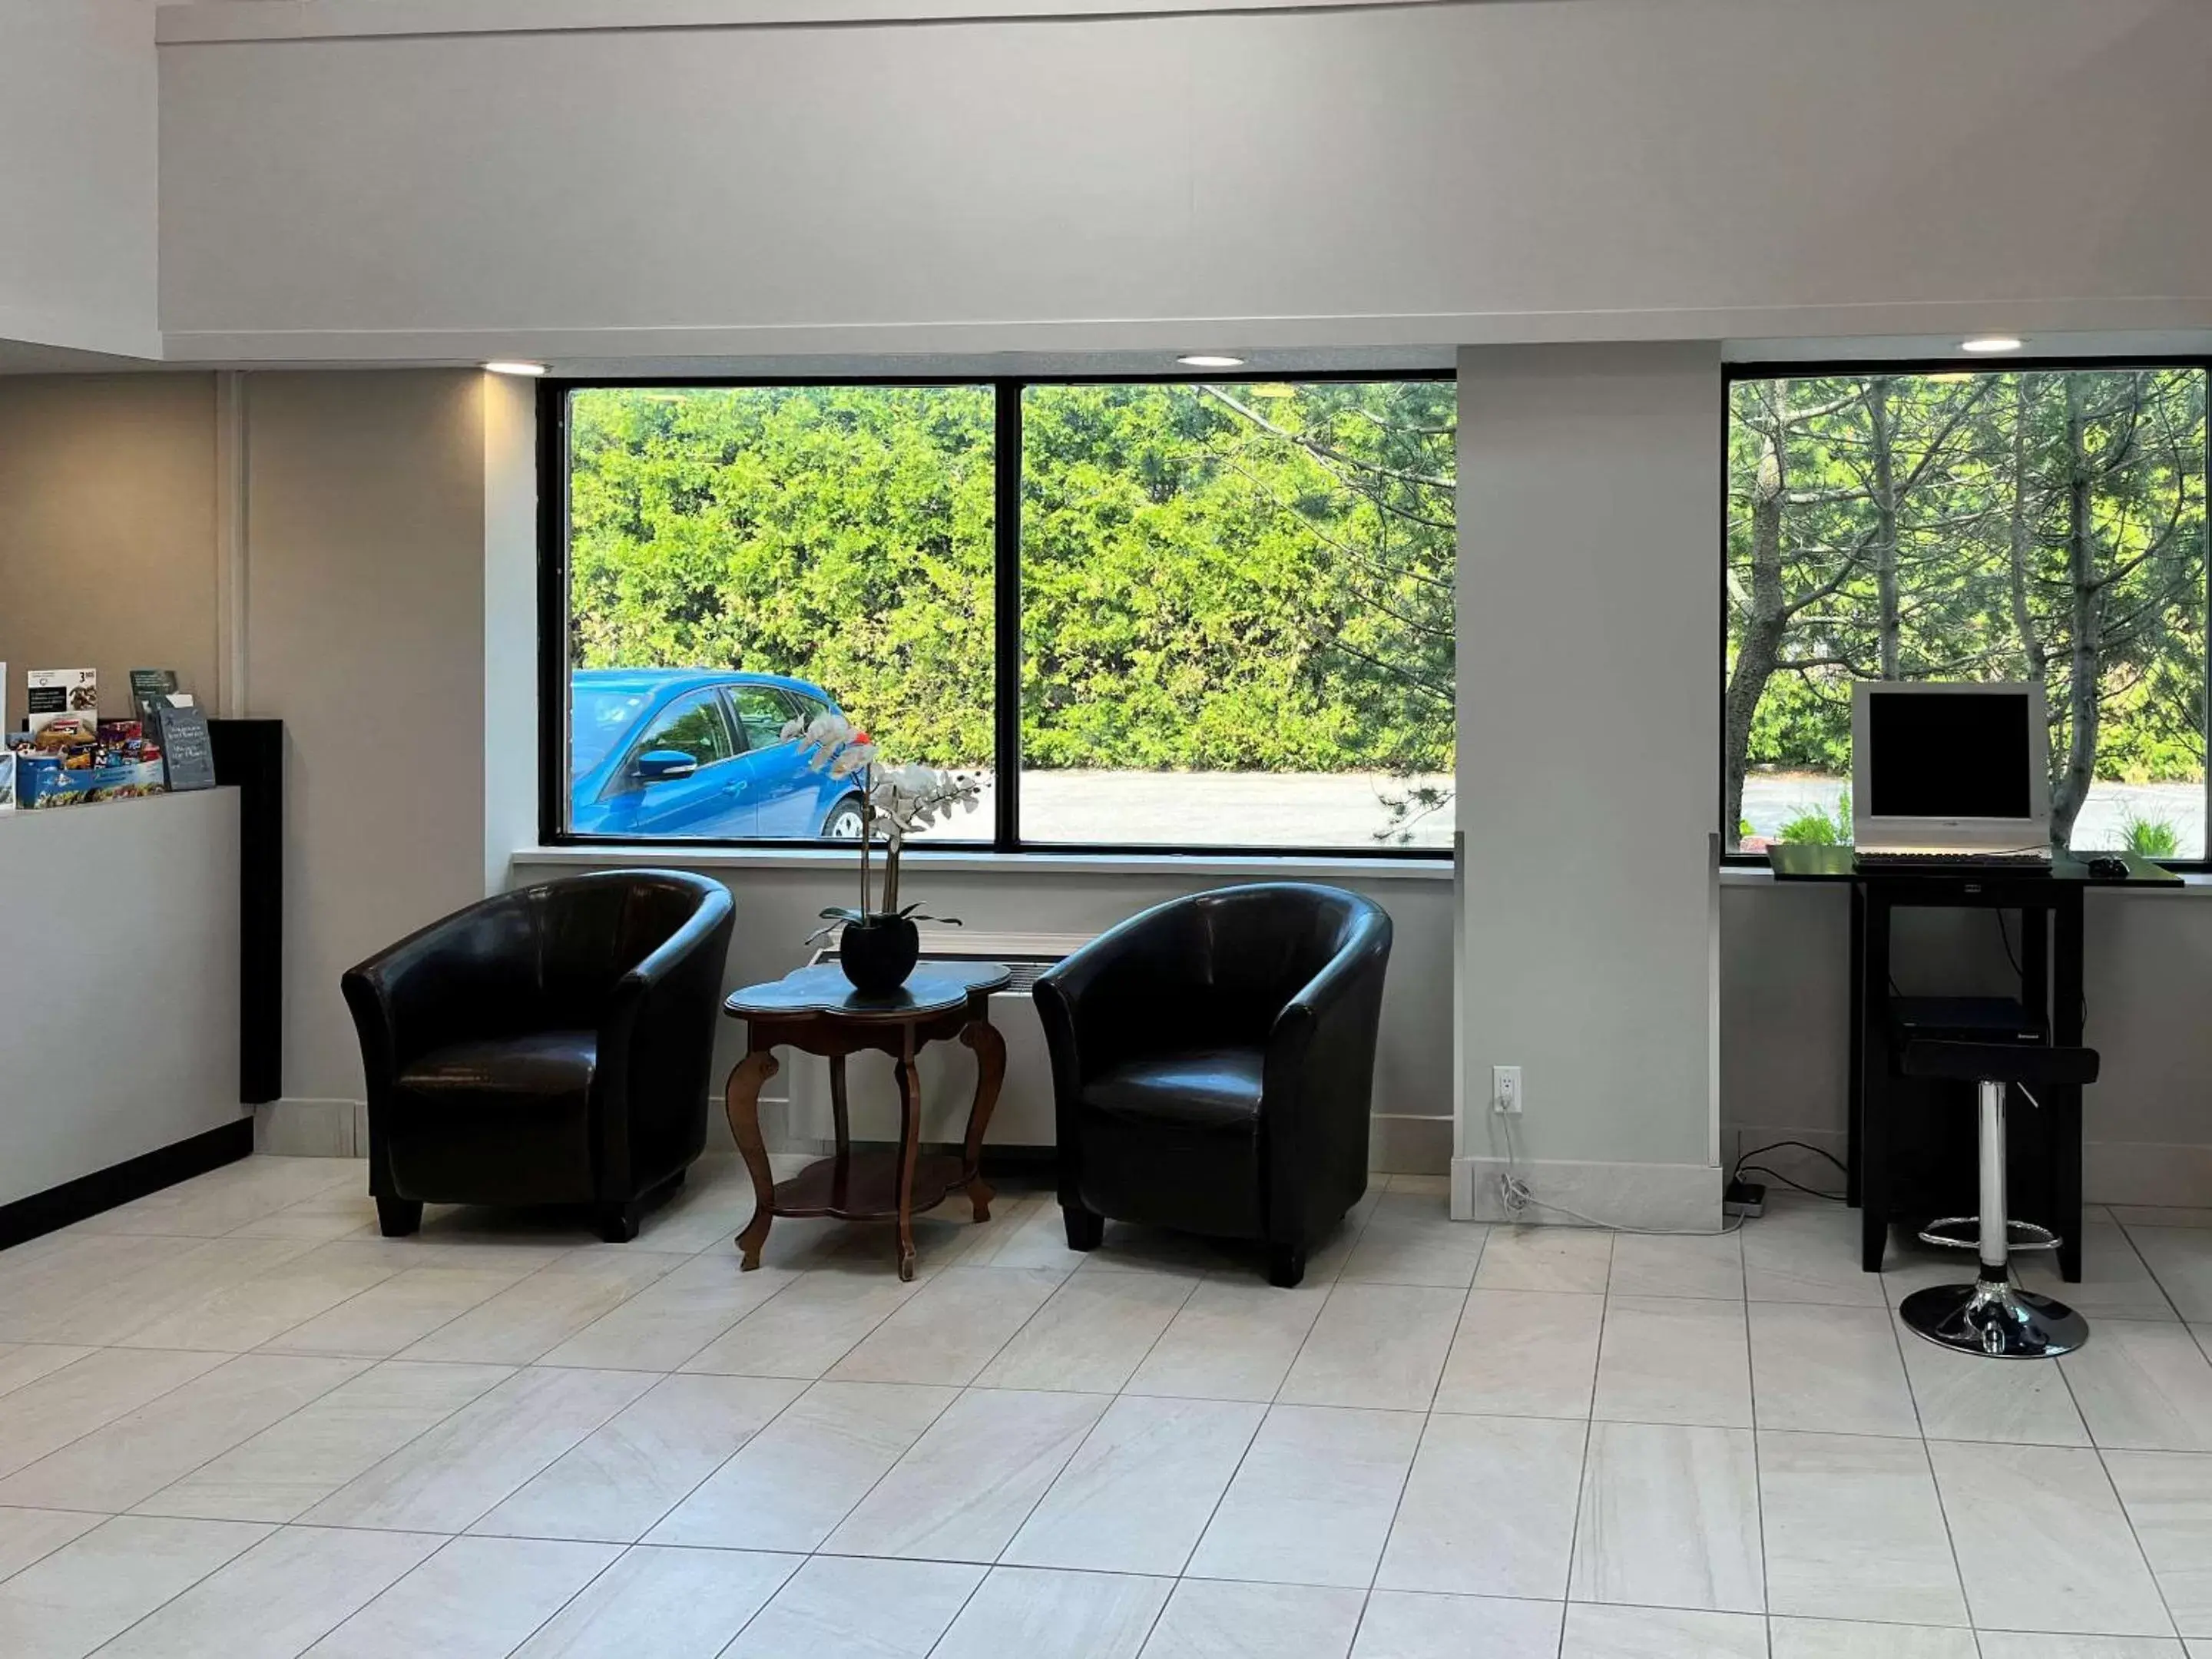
(553, 616)
(2008, 363)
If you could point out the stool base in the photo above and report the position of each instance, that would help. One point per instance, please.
(1996, 1320)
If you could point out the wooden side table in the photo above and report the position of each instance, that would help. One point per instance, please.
(815, 1010)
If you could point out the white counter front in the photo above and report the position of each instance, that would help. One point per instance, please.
(119, 982)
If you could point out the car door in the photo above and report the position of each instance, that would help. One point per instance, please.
(707, 800)
(782, 790)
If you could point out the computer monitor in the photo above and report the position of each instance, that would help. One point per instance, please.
(1949, 768)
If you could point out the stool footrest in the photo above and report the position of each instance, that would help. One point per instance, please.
(1963, 1232)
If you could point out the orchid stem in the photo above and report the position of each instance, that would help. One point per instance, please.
(868, 832)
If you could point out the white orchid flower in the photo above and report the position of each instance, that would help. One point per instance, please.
(853, 757)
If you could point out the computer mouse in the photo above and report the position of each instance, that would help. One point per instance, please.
(2106, 866)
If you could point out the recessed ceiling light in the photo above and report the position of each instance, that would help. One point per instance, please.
(1986, 344)
(1209, 360)
(515, 368)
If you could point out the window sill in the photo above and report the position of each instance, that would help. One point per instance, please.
(1259, 866)
(2198, 882)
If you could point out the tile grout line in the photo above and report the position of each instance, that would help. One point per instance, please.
(2098, 1449)
(2150, 1273)
(1428, 1416)
(1589, 1436)
(1758, 1482)
(151, 1400)
(1935, 1482)
(1258, 1428)
(224, 1452)
(110, 1641)
(513, 1372)
(767, 1602)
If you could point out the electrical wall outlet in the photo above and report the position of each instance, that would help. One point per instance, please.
(1505, 1088)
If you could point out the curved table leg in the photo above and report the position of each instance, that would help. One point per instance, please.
(990, 1048)
(742, 1104)
(842, 1123)
(910, 1087)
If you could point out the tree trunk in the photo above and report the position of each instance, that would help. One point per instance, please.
(1889, 622)
(1760, 648)
(2022, 531)
(2086, 590)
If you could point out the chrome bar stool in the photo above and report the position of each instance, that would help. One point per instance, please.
(1992, 1316)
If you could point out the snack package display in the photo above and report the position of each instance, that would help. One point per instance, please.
(57, 693)
(66, 762)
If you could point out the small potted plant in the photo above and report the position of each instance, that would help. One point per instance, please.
(878, 945)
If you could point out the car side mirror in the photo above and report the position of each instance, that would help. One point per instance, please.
(662, 765)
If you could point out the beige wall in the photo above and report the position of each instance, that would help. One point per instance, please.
(107, 491)
(78, 111)
(1404, 175)
(365, 585)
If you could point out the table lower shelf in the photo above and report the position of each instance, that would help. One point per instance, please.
(864, 1185)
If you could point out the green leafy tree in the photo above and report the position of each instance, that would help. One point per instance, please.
(2046, 526)
(1213, 576)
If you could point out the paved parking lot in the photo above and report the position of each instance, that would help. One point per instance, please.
(1349, 809)
(1188, 809)
(1771, 801)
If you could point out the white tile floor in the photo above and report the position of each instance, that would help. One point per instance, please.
(236, 1422)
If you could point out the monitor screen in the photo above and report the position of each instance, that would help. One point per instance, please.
(1936, 754)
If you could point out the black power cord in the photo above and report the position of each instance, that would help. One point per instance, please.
(1743, 1163)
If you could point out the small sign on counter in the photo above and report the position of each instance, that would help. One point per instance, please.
(186, 750)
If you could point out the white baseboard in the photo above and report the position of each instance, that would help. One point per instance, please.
(311, 1128)
(1402, 1144)
(1667, 1196)
(1398, 1143)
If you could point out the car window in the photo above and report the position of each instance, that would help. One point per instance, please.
(598, 717)
(694, 724)
(762, 712)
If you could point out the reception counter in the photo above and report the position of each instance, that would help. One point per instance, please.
(119, 990)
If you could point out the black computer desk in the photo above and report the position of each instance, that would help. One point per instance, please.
(2050, 991)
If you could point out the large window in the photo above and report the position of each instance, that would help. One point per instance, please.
(2038, 523)
(1183, 615)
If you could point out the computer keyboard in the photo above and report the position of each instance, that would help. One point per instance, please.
(2014, 861)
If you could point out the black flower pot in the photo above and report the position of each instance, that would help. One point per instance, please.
(877, 954)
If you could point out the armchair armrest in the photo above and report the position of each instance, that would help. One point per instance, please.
(656, 1047)
(1318, 1083)
(678, 970)
(1347, 991)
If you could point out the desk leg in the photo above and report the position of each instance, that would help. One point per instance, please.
(2065, 1106)
(990, 1048)
(1855, 1087)
(909, 1087)
(742, 1102)
(1875, 1105)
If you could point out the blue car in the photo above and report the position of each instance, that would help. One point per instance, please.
(697, 751)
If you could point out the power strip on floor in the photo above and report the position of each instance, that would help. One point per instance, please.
(1743, 1198)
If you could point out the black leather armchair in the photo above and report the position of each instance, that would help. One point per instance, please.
(548, 1046)
(1213, 1061)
